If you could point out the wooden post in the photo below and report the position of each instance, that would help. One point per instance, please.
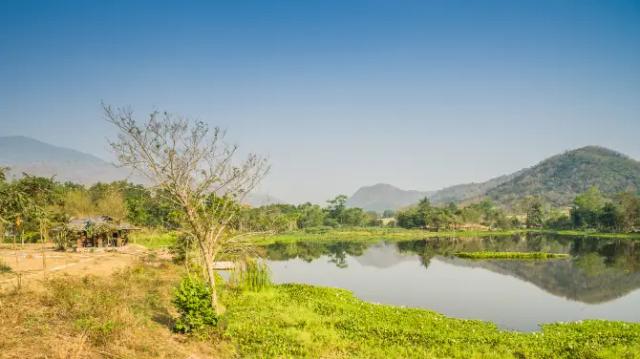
(80, 243)
(99, 241)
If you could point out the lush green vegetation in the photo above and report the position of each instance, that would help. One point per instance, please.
(591, 211)
(306, 321)
(192, 299)
(31, 206)
(510, 255)
(481, 215)
(286, 217)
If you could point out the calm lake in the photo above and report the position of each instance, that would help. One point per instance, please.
(600, 279)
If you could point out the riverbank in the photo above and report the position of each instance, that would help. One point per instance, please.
(376, 234)
(129, 314)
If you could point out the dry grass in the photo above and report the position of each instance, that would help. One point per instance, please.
(126, 315)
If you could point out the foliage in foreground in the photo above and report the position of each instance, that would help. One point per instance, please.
(306, 321)
(192, 299)
(510, 255)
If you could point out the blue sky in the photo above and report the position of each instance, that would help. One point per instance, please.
(338, 94)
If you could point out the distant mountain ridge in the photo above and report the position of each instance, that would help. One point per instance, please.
(26, 155)
(382, 196)
(557, 179)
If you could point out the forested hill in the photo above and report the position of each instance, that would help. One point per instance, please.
(468, 191)
(560, 178)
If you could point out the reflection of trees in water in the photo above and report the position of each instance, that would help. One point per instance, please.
(598, 270)
(618, 253)
(337, 251)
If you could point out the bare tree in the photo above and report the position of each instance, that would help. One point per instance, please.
(196, 170)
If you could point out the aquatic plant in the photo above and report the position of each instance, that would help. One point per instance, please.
(510, 255)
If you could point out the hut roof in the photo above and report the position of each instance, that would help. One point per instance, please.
(84, 223)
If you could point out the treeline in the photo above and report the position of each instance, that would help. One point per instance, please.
(31, 206)
(483, 215)
(591, 210)
(287, 217)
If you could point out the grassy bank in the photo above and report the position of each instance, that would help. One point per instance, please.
(158, 239)
(510, 255)
(587, 233)
(373, 234)
(129, 315)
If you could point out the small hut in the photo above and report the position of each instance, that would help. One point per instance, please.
(99, 231)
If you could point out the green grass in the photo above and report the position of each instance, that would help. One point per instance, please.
(305, 321)
(373, 234)
(154, 239)
(590, 233)
(157, 240)
(510, 255)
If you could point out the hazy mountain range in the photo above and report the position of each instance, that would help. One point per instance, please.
(26, 155)
(557, 179)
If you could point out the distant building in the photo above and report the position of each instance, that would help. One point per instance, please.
(98, 231)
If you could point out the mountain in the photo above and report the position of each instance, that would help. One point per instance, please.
(560, 178)
(468, 191)
(383, 196)
(557, 180)
(26, 155)
(261, 199)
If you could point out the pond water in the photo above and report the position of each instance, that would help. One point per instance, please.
(599, 280)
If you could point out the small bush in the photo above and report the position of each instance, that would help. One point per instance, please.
(4, 268)
(180, 248)
(192, 299)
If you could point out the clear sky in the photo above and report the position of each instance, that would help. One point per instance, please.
(338, 94)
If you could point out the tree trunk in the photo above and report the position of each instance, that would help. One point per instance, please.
(211, 277)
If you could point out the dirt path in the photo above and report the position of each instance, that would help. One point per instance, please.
(27, 263)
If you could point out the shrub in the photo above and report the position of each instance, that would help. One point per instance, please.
(192, 299)
(4, 268)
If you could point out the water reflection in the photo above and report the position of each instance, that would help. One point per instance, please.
(424, 273)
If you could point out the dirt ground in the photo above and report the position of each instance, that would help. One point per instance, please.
(27, 263)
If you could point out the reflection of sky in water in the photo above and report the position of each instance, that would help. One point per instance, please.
(456, 288)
